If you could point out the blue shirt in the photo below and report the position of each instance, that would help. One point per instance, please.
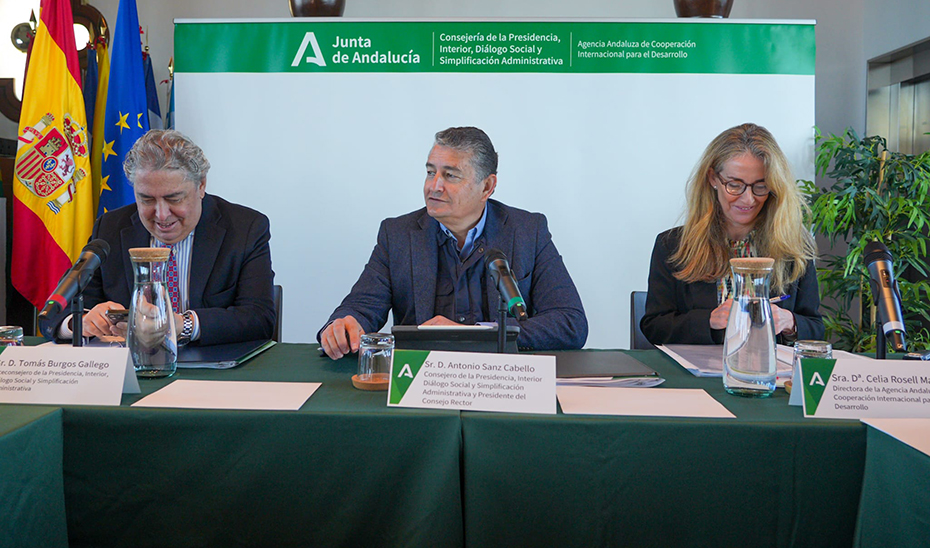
(460, 283)
(471, 236)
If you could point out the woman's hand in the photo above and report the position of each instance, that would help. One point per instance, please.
(784, 320)
(720, 315)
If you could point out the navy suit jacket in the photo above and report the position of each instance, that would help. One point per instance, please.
(231, 281)
(679, 312)
(401, 276)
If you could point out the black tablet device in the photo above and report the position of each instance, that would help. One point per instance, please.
(466, 338)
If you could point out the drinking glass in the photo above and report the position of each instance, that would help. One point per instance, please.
(375, 354)
(11, 335)
(811, 349)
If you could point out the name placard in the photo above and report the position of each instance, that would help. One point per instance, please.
(510, 383)
(854, 389)
(65, 375)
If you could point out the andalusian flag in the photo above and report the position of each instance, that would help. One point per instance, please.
(127, 110)
(52, 202)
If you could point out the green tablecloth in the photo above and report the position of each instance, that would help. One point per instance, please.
(895, 507)
(767, 478)
(345, 470)
(32, 504)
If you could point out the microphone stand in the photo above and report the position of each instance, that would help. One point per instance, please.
(880, 343)
(77, 319)
(501, 325)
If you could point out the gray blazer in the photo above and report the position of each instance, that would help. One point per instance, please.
(401, 277)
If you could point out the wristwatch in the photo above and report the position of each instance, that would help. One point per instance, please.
(187, 330)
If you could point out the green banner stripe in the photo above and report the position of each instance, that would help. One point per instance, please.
(495, 46)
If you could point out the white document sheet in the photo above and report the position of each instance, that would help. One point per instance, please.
(272, 396)
(645, 402)
(706, 360)
(913, 432)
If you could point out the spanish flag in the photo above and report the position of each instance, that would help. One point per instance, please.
(52, 197)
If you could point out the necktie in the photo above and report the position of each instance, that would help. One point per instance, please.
(173, 288)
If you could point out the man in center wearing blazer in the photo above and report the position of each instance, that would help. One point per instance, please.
(428, 266)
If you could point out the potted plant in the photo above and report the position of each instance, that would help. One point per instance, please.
(876, 195)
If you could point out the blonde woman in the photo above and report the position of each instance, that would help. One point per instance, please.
(742, 202)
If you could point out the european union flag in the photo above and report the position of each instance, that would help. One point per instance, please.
(127, 113)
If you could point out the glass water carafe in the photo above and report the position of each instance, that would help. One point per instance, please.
(749, 346)
(151, 336)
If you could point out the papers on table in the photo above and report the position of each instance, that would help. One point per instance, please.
(665, 402)
(706, 360)
(913, 432)
(190, 394)
(785, 355)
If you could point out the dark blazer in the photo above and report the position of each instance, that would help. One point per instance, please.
(230, 280)
(679, 312)
(401, 277)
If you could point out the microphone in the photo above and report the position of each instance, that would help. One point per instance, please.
(503, 278)
(93, 254)
(885, 294)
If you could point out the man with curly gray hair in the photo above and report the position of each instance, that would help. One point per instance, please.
(221, 281)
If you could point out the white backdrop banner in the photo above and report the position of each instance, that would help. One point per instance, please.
(325, 125)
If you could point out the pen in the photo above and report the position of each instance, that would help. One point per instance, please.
(779, 298)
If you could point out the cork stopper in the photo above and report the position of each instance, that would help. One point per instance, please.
(759, 265)
(149, 254)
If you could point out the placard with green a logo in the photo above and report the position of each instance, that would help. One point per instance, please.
(65, 375)
(862, 388)
(514, 383)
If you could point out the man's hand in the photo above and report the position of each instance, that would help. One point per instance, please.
(96, 323)
(440, 320)
(341, 337)
(721, 315)
(151, 325)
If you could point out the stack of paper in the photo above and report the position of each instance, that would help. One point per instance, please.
(706, 360)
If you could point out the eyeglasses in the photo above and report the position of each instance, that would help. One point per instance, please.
(737, 188)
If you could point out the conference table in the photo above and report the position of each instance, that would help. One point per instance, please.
(895, 505)
(346, 470)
